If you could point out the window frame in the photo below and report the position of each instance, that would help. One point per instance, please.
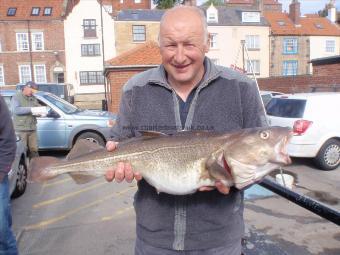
(35, 9)
(2, 75)
(34, 43)
(213, 41)
(84, 48)
(90, 30)
(11, 11)
(47, 13)
(285, 68)
(295, 46)
(328, 47)
(21, 76)
(252, 42)
(36, 75)
(98, 76)
(256, 64)
(20, 43)
(134, 34)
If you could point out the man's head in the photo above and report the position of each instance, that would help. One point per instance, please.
(29, 88)
(183, 40)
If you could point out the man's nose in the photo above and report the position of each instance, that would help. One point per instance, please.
(180, 54)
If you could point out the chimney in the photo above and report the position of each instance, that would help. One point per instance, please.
(331, 11)
(259, 5)
(294, 12)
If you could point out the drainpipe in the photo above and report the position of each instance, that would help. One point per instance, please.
(105, 106)
(30, 48)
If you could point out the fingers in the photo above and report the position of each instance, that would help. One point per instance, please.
(222, 188)
(123, 171)
(111, 145)
(206, 188)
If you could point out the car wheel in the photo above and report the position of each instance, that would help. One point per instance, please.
(328, 157)
(21, 183)
(93, 137)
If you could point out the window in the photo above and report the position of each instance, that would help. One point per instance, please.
(22, 42)
(213, 41)
(281, 23)
(91, 77)
(89, 28)
(253, 66)
(330, 46)
(253, 42)
(290, 46)
(35, 11)
(37, 41)
(40, 73)
(121, 1)
(138, 1)
(2, 79)
(47, 11)
(25, 73)
(290, 67)
(11, 11)
(0, 47)
(90, 49)
(138, 33)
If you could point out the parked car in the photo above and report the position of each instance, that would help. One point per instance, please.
(314, 118)
(18, 174)
(268, 95)
(65, 123)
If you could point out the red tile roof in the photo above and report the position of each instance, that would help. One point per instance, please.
(309, 25)
(24, 9)
(144, 54)
(250, 2)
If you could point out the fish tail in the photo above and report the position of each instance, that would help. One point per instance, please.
(37, 169)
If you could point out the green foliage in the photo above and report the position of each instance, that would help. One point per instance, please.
(214, 2)
(166, 4)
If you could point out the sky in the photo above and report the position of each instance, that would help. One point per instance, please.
(307, 6)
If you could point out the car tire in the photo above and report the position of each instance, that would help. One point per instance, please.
(328, 157)
(21, 182)
(93, 137)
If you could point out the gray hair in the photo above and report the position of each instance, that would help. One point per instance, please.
(195, 9)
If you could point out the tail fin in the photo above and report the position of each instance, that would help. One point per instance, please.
(37, 168)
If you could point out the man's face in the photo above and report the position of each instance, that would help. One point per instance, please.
(182, 47)
(27, 91)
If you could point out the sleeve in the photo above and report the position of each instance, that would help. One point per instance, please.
(123, 127)
(17, 109)
(252, 106)
(7, 140)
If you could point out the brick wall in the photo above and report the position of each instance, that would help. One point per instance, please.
(130, 4)
(10, 58)
(326, 70)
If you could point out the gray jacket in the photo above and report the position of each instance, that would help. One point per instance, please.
(224, 101)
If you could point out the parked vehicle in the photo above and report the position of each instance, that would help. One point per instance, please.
(66, 123)
(268, 95)
(315, 120)
(18, 174)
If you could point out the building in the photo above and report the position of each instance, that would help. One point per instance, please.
(32, 41)
(261, 5)
(134, 27)
(228, 27)
(89, 41)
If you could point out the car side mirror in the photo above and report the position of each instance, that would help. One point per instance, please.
(53, 114)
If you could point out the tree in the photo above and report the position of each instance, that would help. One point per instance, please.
(166, 4)
(214, 2)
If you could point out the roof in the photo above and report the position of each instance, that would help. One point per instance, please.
(310, 24)
(266, 2)
(326, 60)
(24, 9)
(144, 54)
(140, 15)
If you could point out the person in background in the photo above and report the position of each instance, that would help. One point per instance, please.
(25, 123)
(187, 92)
(7, 154)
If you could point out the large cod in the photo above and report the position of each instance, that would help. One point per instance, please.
(181, 163)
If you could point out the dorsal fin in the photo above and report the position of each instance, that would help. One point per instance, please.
(83, 147)
(152, 134)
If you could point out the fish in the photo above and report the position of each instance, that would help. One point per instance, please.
(180, 163)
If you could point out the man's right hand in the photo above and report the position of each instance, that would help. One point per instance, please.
(123, 170)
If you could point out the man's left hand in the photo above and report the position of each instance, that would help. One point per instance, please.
(219, 186)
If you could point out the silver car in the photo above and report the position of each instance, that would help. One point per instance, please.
(65, 123)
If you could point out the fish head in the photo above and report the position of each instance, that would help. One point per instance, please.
(253, 153)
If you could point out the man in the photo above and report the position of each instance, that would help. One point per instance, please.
(7, 155)
(186, 92)
(25, 123)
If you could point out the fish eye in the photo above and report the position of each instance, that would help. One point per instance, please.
(264, 134)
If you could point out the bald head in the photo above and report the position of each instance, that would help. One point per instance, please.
(186, 14)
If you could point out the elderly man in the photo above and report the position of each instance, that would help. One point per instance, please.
(25, 123)
(186, 92)
(7, 155)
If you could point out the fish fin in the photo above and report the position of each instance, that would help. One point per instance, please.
(82, 178)
(83, 147)
(243, 174)
(37, 168)
(152, 134)
(218, 167)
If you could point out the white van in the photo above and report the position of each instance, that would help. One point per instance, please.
(315, 120)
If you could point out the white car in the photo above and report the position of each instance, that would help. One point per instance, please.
(315, 120)
(267, 95)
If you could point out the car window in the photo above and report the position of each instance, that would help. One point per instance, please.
(288, 108)
(61, 104)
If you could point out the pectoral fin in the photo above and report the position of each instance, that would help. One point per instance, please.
(218, 167)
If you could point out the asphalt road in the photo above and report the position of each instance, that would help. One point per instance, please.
(61, 217)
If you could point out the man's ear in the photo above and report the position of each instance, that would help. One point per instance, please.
(207, 44)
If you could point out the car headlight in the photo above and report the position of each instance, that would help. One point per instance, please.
(110, 123)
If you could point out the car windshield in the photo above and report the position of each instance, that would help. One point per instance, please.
(288, 108)
(62, 104)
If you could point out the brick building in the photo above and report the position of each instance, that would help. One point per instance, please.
(32, 41)
(261, 5)
(121, 68)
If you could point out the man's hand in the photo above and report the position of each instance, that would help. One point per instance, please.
(123, 171)
(219, 186)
